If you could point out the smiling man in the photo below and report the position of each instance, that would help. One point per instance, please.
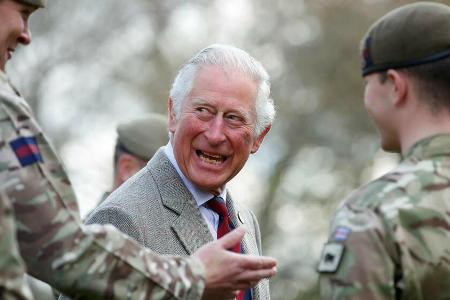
(14, 29)
(219, 113)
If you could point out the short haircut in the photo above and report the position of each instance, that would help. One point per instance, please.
(432, 83)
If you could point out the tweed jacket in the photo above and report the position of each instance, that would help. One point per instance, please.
(156, 209)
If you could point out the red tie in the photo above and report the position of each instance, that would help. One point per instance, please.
(217, 204)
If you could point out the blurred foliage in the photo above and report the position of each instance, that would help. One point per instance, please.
(94, 63)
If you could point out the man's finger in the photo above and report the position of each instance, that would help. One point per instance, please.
(253, 262)
(253, 276)
(232, 238)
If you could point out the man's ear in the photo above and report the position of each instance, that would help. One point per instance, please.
(260, 139)
(172, 116)
(127, 166)
(400, 86)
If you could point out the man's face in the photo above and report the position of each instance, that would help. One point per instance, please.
(13, 28)
(377, 100)
(214, 133)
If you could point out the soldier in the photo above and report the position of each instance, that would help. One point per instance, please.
(137, 142)
(93, 261)
(390, 239)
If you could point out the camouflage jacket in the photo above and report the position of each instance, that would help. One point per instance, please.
(82, 261)
(13, 285)
(391, 238)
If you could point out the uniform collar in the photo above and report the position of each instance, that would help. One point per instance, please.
(4, 81)
(435, 145)
(3, 76)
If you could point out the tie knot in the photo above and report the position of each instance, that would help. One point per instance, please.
(217, 204)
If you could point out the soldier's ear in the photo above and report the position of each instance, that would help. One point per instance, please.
(400, 86)
(127, 166)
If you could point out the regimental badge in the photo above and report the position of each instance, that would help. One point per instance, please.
(26, 150)
(331, 257)
(366, 53)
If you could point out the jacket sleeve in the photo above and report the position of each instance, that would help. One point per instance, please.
(355, 262)
(93, 261)
(13, 285)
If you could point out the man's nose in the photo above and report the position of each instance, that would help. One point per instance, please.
(25, 36)
(215, 132)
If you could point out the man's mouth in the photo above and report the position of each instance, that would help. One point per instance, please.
(211, 158)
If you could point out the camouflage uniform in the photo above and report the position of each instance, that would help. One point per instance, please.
(12, 270)
(391, 238)
(92, 261)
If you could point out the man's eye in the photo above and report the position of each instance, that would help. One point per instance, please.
(203, 112)
(201, 109)
(235, 118)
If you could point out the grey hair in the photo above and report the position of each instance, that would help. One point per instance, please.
(229, 57)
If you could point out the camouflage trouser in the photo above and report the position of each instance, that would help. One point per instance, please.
(12, 271)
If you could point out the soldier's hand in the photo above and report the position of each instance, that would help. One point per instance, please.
(228, 272)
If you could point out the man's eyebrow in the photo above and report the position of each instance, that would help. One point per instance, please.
(199, 100)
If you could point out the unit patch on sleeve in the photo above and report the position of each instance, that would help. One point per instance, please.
(26, 150)
(341, 233)
(331, 257)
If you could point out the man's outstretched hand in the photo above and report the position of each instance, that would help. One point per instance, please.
(228, 272)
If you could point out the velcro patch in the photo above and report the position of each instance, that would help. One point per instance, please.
(331, 257)
(341, 233)
(26, 150)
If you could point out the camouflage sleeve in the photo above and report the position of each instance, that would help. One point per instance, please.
(93, 262)
(12, 271)
(355, 262)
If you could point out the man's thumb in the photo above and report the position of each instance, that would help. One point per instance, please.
(230, 239)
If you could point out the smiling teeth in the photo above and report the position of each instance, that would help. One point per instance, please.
(212, 158)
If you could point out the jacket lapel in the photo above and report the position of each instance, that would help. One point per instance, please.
(190, 226)
(248, 245)
(238, 219)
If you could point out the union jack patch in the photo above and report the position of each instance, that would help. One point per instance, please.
(342, 233)
(26, 150)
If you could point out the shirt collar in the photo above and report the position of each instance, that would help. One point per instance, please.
(3, 76)
(200, 196)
